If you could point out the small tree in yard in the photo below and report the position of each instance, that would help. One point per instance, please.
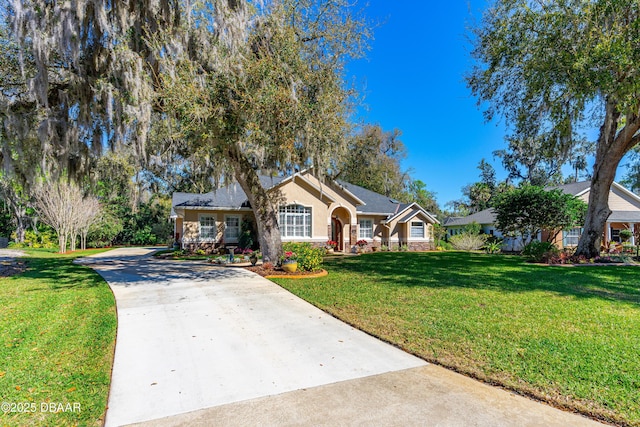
(528, 210)
(54, 203)
(62, 206)
(90, 212)
(470, 239)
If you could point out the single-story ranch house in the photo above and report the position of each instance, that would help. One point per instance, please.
(310, 211)
(625, 214)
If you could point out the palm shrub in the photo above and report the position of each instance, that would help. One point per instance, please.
(540, 251)
(493, 246)
(309, 258)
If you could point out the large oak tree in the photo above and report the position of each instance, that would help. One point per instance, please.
(233, 86)
(265, 94)
(554, 68)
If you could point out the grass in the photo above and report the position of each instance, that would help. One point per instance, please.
(57, 336)
(567, 336)
(169, 254)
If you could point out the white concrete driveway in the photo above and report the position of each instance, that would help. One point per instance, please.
(193, 336)
(200, 346)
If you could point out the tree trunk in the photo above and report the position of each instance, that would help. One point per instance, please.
(612, 146)
(20, 214)
(597, 213)
(265, 212)
(62, 241)
(74, 238)
(20, 229)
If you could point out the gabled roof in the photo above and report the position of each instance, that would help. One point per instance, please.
(574, 188)
(374, 203)
(486, 216)
(408, 211)
(233, 197)
(580, 188)
(624, 216)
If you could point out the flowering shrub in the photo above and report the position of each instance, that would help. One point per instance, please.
(332, 244)
(289, 256)
(361, 243)
(309, 258)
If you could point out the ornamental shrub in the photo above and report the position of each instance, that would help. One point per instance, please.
(309, 258)
(540, 251)
(625, 235)
(46, 238)
(468, 242)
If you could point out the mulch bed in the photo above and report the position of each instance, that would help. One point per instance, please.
(267, 272)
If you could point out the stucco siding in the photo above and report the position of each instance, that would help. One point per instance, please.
(400, 232)
(177, 229)
(329, 211)
(191, 223)
(322, 200)
(295, 195)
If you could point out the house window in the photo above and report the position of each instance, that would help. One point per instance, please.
(208, 227)
(571, 237)
(366, 229)
(231, 229)
(615, 235)
(295, 221)
(417, 229)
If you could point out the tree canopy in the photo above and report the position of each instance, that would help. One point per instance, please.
(221, 89)
(372, 160)
(265, 94)
(528, 210)
(555, 68)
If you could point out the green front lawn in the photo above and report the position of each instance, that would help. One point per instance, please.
(566, 335)
(57, 335)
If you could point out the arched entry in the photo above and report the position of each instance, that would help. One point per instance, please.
(340, 227)
(336, 233)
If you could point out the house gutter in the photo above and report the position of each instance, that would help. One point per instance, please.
(218, 208)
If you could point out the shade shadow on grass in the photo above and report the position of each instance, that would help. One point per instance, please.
(498, 272)
(565, 335)
(60, 274)
(57, 326)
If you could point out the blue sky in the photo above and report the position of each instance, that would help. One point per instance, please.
(413, 79)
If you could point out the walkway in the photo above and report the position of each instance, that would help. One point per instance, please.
(205, 345)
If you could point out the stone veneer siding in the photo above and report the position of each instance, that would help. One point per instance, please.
(421, 246)
(412, 246)
(208, 247)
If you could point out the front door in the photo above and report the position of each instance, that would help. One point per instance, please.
(336, 233)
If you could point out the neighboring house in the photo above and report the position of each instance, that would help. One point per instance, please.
(625, 214)
(309, 211)
(486, 219)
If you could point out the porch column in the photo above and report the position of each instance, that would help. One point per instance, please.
(608, 233)
(353, 238)
(632, 227)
